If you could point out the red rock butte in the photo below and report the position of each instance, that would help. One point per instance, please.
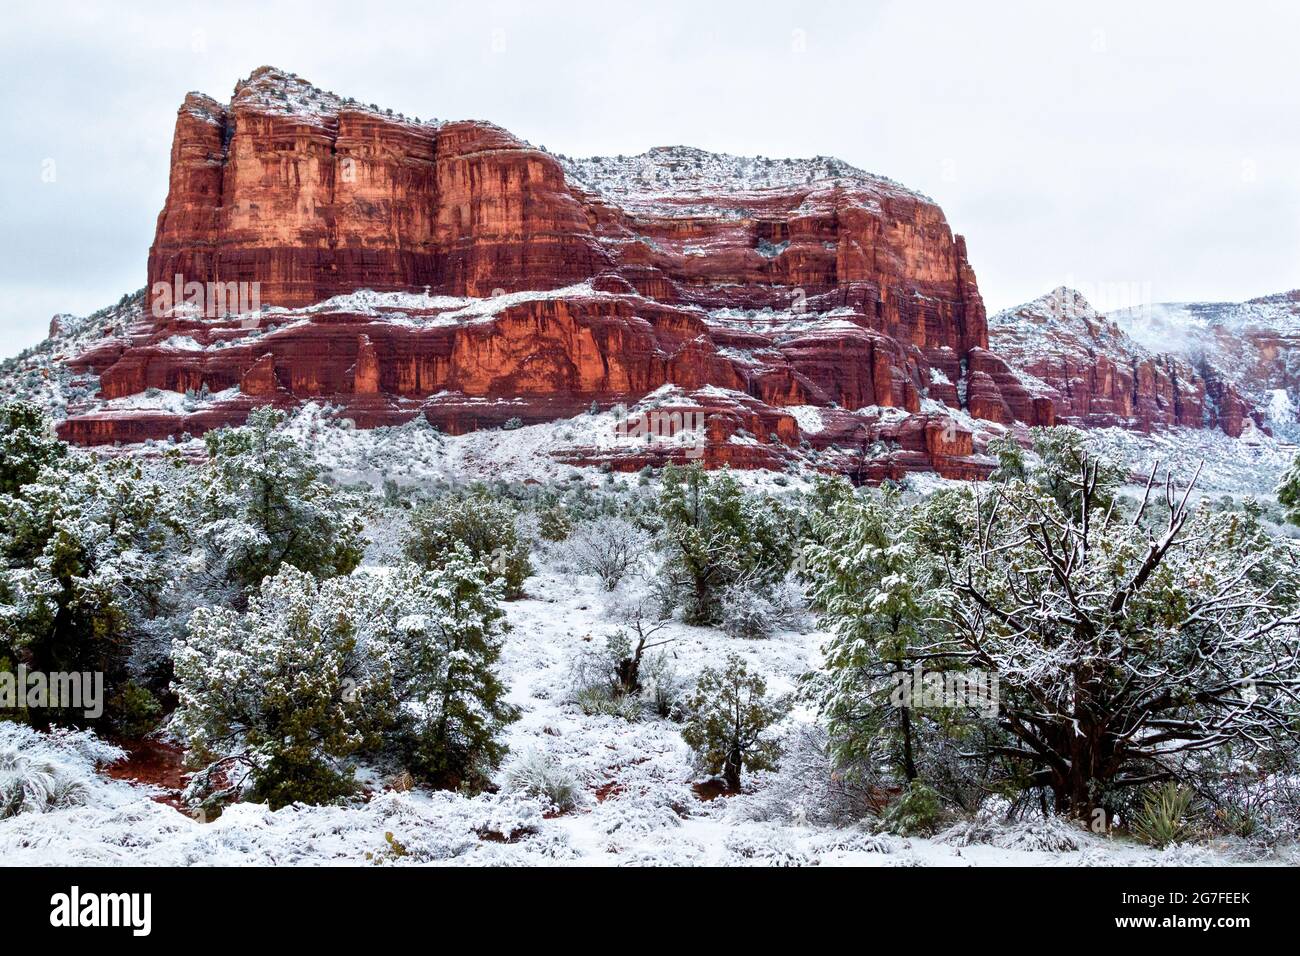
(507, 282)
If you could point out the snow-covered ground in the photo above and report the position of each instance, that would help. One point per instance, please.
(638, 806)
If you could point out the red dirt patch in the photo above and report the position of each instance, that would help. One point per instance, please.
(155, 762)
(710, 790)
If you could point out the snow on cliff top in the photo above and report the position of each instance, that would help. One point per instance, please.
(680, 174)
(1060, 320)
(271, 90)
(1279, 313)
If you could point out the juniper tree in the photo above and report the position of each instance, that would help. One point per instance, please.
(715, 536)
(277, 702)
(1126, 648)
(84, 567)
(262, 502)
(729, 718)
(872, 584)
(486, 526)
(27, 444)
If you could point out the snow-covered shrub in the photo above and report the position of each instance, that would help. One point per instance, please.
(1089, 623)
(41, 772)
(809, 788)
(554, 523)
(917, 812)
(713, 534)
(729, 716)
(27, 444)
(607, 547)
(1047, 835)
(262, 502)
(662, 685)
(747, 609)
(278, 700)
(1050, 835)
(86, 569)
(486, 526)
(766, 848)
(860, 841)
(539, 774)
(1288, 492)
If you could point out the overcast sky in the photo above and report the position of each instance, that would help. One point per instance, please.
(1127, 149)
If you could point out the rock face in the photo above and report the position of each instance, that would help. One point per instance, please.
(311, 248)
(1095, 374)
(1253, 344)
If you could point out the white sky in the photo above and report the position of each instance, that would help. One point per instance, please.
(1152, 148)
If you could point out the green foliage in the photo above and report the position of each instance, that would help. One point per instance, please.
(136, 711)
(729, 716)
(1164, 816)
(263, 502)
(1067, 466)
(554, 523)
(84, 570)
(275, 699)
(27, 445)
(715, 535)
(484, 525)
(875, 574)
(453, 704)
(1011, 460)
(917, 812)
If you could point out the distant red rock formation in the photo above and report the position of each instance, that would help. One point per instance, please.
(527, 285)
(1094, 374)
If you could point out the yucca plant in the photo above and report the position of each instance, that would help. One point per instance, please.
(1164, 817)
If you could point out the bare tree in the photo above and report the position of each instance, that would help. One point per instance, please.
(608, 547)
(1125, 648)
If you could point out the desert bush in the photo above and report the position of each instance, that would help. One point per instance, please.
(485, 525)
(917, 812)
(608, 547)
(540, 774)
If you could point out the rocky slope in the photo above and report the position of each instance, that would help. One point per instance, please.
(1096, 375)
(512, 283)
(1255, 343)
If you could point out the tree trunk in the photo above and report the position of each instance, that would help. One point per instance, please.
(731, 770)
(909, 761)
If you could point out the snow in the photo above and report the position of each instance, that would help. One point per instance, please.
(685, 181)
(639, 808)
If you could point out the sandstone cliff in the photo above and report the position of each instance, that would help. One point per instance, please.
(1097, 375)
(451, 271)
